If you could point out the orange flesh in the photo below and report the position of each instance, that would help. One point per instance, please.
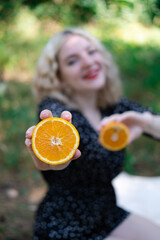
(114, 136)
(55, 141)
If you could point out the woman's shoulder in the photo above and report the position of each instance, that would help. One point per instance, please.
(125, 104)
(121, 103)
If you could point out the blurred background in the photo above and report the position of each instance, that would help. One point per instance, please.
(130, 29)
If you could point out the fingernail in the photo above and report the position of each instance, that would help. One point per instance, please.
(45, 115)
(67, 115)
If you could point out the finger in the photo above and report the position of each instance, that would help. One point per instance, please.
(130, 116)
(46, 114)
(77, 154)
(28, 143)
(67, 116)
(107, 120)
(134, 134)
(126, 117)
(39, 164)
(29, 132)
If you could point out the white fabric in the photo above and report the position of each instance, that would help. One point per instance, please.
(140, 195)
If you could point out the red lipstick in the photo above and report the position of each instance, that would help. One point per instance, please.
(91, 74)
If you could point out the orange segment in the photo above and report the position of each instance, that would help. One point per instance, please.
(114, 136)
(55, 140)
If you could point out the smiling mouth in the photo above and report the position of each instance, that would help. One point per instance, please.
(91, 75)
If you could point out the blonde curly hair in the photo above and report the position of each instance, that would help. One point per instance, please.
(46, 82)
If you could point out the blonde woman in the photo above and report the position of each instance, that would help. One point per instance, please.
(77, 78)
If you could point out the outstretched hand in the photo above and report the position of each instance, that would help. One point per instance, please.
(38, 163)
(135, 121)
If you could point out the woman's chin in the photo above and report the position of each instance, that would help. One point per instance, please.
(94, 85)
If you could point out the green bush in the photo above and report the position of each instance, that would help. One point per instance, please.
(16, 116)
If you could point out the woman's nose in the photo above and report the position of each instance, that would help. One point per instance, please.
(86, 60)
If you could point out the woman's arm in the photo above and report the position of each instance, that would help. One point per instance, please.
(138, 123)
(38, 163)
(152, 126)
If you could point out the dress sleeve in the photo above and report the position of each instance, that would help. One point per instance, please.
(126, 105)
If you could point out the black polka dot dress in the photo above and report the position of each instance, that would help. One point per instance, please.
(80, 203)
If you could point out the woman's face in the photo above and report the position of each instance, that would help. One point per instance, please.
(81, 65)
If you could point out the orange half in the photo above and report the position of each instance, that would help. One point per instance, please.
(114, 136)
(55, 140)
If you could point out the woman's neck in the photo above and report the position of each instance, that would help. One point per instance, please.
(86, 100)
(87, 103)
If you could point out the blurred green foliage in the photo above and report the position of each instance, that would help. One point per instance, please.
(77, 11)
(140, 69)
(16, 115)
(67, 12)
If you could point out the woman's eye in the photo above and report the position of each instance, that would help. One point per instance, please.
(92, 51)
(72, 61)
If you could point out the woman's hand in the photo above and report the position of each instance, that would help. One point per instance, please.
(38, 163)
(135, 121)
